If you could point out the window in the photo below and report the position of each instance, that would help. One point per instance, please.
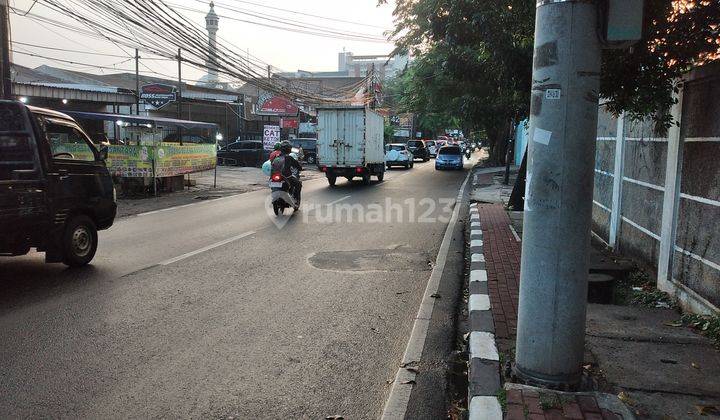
(415, 144)
(16, 154)
(67, 142)
(450, 151)
(398, 147)
(308, 144)
(234, 147)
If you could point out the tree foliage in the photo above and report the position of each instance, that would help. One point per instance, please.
(473, 60)
(678, 35)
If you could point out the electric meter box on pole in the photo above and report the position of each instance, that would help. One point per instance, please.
(623, 21)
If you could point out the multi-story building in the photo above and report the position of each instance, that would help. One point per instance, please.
(387, 66)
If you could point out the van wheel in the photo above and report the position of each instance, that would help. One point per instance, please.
(331, 180)
(79, 241)
(311, 159)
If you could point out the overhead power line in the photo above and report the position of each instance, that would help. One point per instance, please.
(298, 13)
(152, 26)
(292, 26)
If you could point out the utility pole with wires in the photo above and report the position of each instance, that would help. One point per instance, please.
(5, 67)
(179, 94)
(558, 205)
(137, 82)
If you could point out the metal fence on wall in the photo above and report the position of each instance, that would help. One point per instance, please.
(657, 192)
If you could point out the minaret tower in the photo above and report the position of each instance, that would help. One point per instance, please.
(212, 24)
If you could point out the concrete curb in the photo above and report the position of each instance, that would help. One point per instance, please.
(484, 365)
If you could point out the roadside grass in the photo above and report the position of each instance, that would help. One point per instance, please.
(638, 289)
(707, 325)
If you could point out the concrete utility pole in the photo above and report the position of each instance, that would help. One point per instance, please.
(5, 67)
(179, 94)
(556, 234)
(137, 82)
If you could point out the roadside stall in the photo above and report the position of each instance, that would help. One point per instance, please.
(154, 154)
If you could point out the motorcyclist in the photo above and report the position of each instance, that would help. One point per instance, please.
(290, 169)
(276, 152)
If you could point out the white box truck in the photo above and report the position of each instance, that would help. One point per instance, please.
(350, 143)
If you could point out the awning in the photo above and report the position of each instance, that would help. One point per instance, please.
(139, 119)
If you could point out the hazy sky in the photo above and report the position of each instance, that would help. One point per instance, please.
(285, 50)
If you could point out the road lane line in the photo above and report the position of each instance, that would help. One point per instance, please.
(214, 200)
(397, 403)
(207, 248)
(337, 201)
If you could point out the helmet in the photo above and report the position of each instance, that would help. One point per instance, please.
(286, 146)
(277, 146)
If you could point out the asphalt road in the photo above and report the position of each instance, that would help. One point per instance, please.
(211, 310)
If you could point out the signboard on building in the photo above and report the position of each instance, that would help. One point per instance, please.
(271, 135)
(158, 95)
(277, 105)
(307, 128)
(292, 123)
(402, 132)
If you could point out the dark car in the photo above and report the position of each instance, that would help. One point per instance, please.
(55, 190)
(419, 150)
(243, 153)
(449, 157)
(309, 149)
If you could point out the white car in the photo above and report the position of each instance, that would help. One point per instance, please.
(398, 154)
(432, 148)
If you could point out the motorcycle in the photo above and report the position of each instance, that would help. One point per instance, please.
(282, 194)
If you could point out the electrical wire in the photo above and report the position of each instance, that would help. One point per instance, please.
(171, 31)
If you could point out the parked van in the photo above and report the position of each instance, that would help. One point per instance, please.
(55, 190)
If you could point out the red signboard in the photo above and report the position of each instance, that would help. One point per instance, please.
(279, 106)
(289, 123)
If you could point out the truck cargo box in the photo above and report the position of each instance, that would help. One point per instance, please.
(350, 143)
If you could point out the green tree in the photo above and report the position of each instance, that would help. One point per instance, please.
(471, 63)
(473, 60)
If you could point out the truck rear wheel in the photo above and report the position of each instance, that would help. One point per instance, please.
(381, 176)
(366, 178)
(79, 241)
(331, 180)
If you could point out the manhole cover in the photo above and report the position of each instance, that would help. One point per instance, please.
(371, 260)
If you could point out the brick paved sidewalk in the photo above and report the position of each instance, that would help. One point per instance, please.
(528, 404)
(502, 262)
(502, 257)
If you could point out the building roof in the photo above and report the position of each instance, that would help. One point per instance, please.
(111, 83)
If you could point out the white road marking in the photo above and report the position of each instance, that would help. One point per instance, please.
(482, 346)
(477, 258)
(485, 408)
(476, 232)
(478, 276)
(399, 398)
(476, 242)
(479, 303)
(337, 201)
(514, 232)
(475, 224)
(207, 248)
